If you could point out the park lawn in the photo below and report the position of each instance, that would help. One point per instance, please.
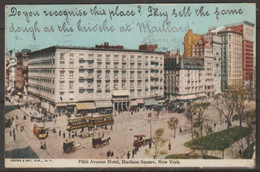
(21, 153)
(218, 140)
(248, 153)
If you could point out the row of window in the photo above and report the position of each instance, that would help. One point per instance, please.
(108, 56)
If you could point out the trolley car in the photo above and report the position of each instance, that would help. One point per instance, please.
(39, 130)
(90, 122)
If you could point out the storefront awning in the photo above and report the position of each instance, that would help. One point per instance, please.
(60, 105)
(186, 97)
(81, 106)
(150, 102)
(161, 101)
(120, 93)
(103, 104)
(133, 103)
(140, 101)
(202, 95)
(90, 106)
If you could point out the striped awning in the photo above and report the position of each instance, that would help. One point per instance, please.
(81, 106)
(120, 93)
(103, 104)
(90, 106)
(133, 103)
(150, 102)
(197, 95)
(140, 101)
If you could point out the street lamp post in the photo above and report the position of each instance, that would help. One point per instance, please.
(149, 121)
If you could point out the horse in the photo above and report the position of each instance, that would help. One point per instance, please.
(106, 141)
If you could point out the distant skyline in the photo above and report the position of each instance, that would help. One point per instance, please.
(130, 40)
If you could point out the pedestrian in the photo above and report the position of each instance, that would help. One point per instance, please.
(180, 130)
(108, 154)
(170, 146)
(16, 126)
(215, 124)
(135, 150)
(150, 145)
(64, 135)
(45, 147)
(112, 153)
(10, 133)
(128, 155)
(240, 153)
(14, 136)
(133, 153)
(69, 135)
(59, 133)
(13, 131)
(41, 146)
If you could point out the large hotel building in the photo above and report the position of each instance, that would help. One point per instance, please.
(78, 78)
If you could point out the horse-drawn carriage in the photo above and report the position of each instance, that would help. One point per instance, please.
(99, 142)
(140, 141)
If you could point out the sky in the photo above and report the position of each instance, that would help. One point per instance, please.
(167, 41)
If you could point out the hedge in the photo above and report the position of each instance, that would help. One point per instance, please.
(218, 140)
(186, 156)
(248, 153)
(177, 156)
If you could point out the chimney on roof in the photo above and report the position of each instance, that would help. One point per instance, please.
(106, 44)
(148, 47)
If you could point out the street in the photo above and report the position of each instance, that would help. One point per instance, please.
(122, 134)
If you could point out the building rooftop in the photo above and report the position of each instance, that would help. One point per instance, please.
(52, 48)
(234, 24)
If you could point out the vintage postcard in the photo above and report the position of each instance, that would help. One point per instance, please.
(130, 85)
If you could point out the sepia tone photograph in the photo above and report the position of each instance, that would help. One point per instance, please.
(136, 85)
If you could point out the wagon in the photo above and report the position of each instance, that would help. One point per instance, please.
(68, 147)
(138, 140)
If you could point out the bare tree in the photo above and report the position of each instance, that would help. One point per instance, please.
(190, 113)
(172, 124)
(159, 142)
(226, 106)
(201, 119)
(240, 95)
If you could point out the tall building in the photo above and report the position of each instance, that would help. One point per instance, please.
(12, 67)
(204, 50)
(184, 78)
(21, 72)
(7, 62)
(215, 42)
(247, 30)
(77, 78)
(190, 40)
(232, 58)
(170, 61)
